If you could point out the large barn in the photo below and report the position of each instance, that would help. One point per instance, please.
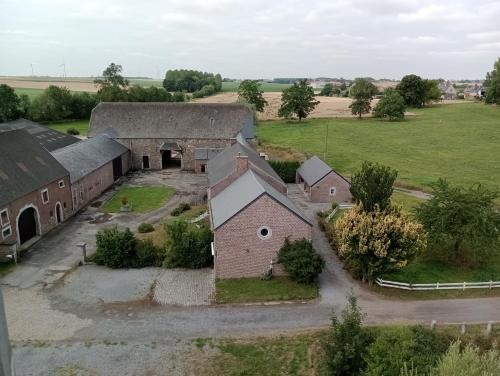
(163, 135)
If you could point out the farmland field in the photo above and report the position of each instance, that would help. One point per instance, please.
(81, 125)
(30, 92)
(459, 142)
(232, 86)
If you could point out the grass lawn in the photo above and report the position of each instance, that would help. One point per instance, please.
(266, 86)
(142, 199)
(457, 141)
(407, 202)
(247, 290)
(81, 125)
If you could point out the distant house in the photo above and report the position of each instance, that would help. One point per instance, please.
(321, 183)
(250, 220)
(93, 166)
(474, 91)
(162, 135)
(35, 194)
(448, 91)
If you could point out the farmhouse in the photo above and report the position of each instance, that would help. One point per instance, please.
(321, 183)
(250, 220)
(162, 135)
(35, 191)
(93, 166)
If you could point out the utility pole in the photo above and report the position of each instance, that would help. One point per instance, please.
(6, 365)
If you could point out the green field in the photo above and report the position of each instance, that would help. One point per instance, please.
(141, 199)
(81, 125)
(30, 92)
(266, 86)
(459, 142)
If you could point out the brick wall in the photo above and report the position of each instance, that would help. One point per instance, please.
(46, 219)
(320, 192)
(240, 252)
(92, 186)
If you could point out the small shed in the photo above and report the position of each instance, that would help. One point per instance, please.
(321, 183)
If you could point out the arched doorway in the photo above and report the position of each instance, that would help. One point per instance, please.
(59, 213)
(27, 224)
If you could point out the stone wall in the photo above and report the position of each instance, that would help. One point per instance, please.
(240, 252)
(91, 186)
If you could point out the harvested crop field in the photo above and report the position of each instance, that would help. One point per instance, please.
(328, 106)
(72, 85)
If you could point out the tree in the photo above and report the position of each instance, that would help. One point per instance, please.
(347, 341)
(391, 106)
(113, 86)
(492, 84)
(377, 242)
(82, 105)
(373, 185)
(190, 80)
(301, 260)
(250, 91)
(115, 248)
(298, 99)
(362, 91)
(412, 89)
(10, 104)
(329, 90)
(432, 92)
(459, 219)
(55, 103)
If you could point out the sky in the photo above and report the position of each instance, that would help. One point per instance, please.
(449, 39)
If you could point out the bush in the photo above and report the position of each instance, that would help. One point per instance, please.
(115, 248)
(181, 208)
(285, 169)
(148, 254)
(300, 260)
(187, 247)
(73, 131)
(145, 227)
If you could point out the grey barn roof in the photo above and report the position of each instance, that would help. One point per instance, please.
(86, 156)
(25, 166)
(224, 163)
(48, 138)
(205, 153)
(172, 120)
(242, 192)
(313, 170)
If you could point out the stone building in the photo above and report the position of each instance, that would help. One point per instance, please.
(35, 193)
(321, 183)
(162, 135)
(93, 166)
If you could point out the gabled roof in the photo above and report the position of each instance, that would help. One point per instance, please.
(25, 166)
(224, 163)
(313, 170)
(48, 138)
(86, 156)
(172, 120)
(241, 193)
(205, 153)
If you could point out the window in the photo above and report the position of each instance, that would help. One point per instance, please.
(264, 232)
(145, 162)
(61, 183)
(4, 217)
(64, 205)
(333, 190)
(45, 196)
(6, 232)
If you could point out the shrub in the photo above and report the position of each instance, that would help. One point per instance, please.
(187, 247)
(145, 227)
(115, 248)
(124, 201)
(148, 254)
(181, 208)
(73, 131)
(285, 169)
(300, 260)
(391, 106)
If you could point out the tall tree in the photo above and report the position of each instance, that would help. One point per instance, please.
(391, 106)
(372, 186)
(298, 99)
(250, 91)
(432, 92)
(362, 91)
(461, 220)
(412, 88)
(112, 86)
(55, 103)
(191, 80)
(10, 104)
(492, 84)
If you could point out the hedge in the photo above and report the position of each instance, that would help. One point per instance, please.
(285, 169)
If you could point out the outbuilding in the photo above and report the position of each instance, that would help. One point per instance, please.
(321, 183)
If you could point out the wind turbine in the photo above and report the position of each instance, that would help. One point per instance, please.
(63, 65)
(32, 71)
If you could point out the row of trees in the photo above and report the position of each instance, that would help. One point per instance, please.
(199, 83)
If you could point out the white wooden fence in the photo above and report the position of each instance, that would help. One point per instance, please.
(437, 286)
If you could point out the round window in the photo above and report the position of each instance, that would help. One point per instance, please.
(264, 232)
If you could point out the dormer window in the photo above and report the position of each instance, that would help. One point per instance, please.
(212, 122)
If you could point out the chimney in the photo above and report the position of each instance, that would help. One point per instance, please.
(241, 163)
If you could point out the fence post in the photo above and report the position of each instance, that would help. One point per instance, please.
(491, 285)
(433, 324)
(489, 328)
(437, 286)
(463, 328)
(464, 285)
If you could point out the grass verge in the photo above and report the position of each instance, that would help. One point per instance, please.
(141, 199)
(252, 290)
(81, 125)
